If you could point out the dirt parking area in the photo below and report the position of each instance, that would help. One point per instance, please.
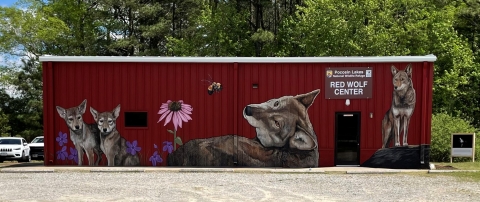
(171, 186)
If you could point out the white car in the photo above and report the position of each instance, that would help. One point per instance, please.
(36, 148)
(14, 148)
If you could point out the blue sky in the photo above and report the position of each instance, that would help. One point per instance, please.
(7, 2)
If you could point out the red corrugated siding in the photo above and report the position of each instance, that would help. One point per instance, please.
(276, 80)
(145, 86)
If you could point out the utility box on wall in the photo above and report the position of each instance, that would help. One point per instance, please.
(253, 112)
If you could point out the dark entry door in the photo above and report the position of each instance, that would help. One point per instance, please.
(347, 138)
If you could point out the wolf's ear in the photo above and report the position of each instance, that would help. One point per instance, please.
(82, 106)
(302, 141)
(116, 111)
(62, 112)
(94, 113)
(308, 98)
(394, 70)
(408, 70)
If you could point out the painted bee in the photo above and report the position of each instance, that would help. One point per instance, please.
(213, 87)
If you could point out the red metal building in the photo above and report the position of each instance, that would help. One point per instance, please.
(347, 114)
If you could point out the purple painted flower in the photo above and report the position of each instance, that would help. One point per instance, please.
(175, 111)
(167, 146)
(155, 158)
(73, 155)
(62, 154)
(62, 138)
(132, 147)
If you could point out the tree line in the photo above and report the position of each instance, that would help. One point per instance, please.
(448, 29)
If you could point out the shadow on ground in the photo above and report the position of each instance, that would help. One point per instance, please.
(13, 164)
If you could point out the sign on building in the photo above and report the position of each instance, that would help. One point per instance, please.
(463, 145)
(348, 83)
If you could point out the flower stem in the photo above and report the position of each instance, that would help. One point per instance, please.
(174, 140)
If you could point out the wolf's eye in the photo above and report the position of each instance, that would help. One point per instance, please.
(110, 121)
(100, 121)
(277, 124)
(79, 117)
(70, 119)
(276, 104)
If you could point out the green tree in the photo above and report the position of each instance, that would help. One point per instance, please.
(31, 32)
(27, 34)
(443, 125)
(220, 31)
(467, 25)
(390, 28)
(4, 98)
(83, 29)
(25, 111)
(4, 125)
(142, 27)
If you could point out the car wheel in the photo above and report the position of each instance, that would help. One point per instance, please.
(29, 158)
(25, 158)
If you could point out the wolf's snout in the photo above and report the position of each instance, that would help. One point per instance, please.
(104, 130)
(248, 111)
(77, 127)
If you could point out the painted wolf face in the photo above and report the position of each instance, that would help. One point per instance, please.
(73, 116)
(283, 120)
(402, 78)
(106, 120)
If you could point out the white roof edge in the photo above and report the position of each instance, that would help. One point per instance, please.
(160, 59)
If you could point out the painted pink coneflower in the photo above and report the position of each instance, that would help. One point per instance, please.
(175, 111)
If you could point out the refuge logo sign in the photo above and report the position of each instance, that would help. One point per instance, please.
(348, 83)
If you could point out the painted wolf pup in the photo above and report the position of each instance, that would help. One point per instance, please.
(85, 137)
(111, 142)
(398, 116)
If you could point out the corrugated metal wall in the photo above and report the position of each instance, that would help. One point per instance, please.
(276, 80)
(145, 86)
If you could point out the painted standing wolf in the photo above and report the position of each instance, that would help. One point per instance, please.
(398, 116)
(85, 137)
(111, 142)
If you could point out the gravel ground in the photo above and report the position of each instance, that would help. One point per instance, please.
(165, 186)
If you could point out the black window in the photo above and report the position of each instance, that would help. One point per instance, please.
(135, 119)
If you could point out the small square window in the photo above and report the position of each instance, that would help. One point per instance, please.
(136, 119)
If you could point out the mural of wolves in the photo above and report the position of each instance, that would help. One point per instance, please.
(111, 142)
(85, 137)
(285, 138)
(397, 118)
